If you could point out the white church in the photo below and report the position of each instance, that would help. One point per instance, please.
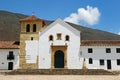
(57, 46)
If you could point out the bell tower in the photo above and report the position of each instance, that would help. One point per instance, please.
(30, 28)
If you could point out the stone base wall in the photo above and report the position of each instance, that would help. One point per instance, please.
(24, 65)
(62, 72)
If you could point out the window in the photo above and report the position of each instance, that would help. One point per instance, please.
(10, 56)
(90, 50)
(108, 50)
(50, 38)
(34, 27)
(67, 38)
(31, 38)
(117, 50)
(58, 36)
(101, 62)
(118, 61)
(90, 61)
(10, 52)
(28, 28)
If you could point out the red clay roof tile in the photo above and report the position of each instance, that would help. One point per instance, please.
(31, 18)
(100, 43)
(9, 45)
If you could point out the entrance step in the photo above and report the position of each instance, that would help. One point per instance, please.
(60, 72)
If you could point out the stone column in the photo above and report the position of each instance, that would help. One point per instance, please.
(84, 64)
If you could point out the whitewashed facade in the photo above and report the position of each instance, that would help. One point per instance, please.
(5, 62)
(99, 53)
(59, 45)
(73, 45)
(44, 46)
(103, 56)
(31, 51)
(76, 54)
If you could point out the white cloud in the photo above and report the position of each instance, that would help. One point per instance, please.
(90, 16)
(118, 33)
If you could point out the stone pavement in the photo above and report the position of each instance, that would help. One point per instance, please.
(59, 77)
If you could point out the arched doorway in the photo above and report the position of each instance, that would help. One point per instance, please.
(59, 59)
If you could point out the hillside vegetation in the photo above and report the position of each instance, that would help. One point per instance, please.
(10, 29)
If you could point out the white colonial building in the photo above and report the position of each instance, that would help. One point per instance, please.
(101, 54)
(9, 55)
(59, 45)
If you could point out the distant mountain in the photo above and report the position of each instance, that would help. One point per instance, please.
(10, 29)
(9, 25)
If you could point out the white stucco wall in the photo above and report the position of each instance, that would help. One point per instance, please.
(3, 58)
(75, 53)
(31, 51)
(99, 52)
(73, 49)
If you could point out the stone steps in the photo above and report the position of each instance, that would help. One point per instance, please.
(60, 72)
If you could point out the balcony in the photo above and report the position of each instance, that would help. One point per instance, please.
(10, 57)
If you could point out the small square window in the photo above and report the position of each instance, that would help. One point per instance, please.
(90, 50)
(108, 50)
(58, 36)
(118, 61)
(101, 62)
(117, 50)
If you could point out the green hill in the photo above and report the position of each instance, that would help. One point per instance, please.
(10, 29)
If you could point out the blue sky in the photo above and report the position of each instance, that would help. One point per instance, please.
(103, 14)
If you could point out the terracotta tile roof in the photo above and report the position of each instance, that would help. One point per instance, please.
(100, 43)
(31, 18)
(9, 45)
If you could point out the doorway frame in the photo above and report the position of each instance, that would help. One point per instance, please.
(9, 64)
(109, 65)
(59, 55)
(56, 48)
